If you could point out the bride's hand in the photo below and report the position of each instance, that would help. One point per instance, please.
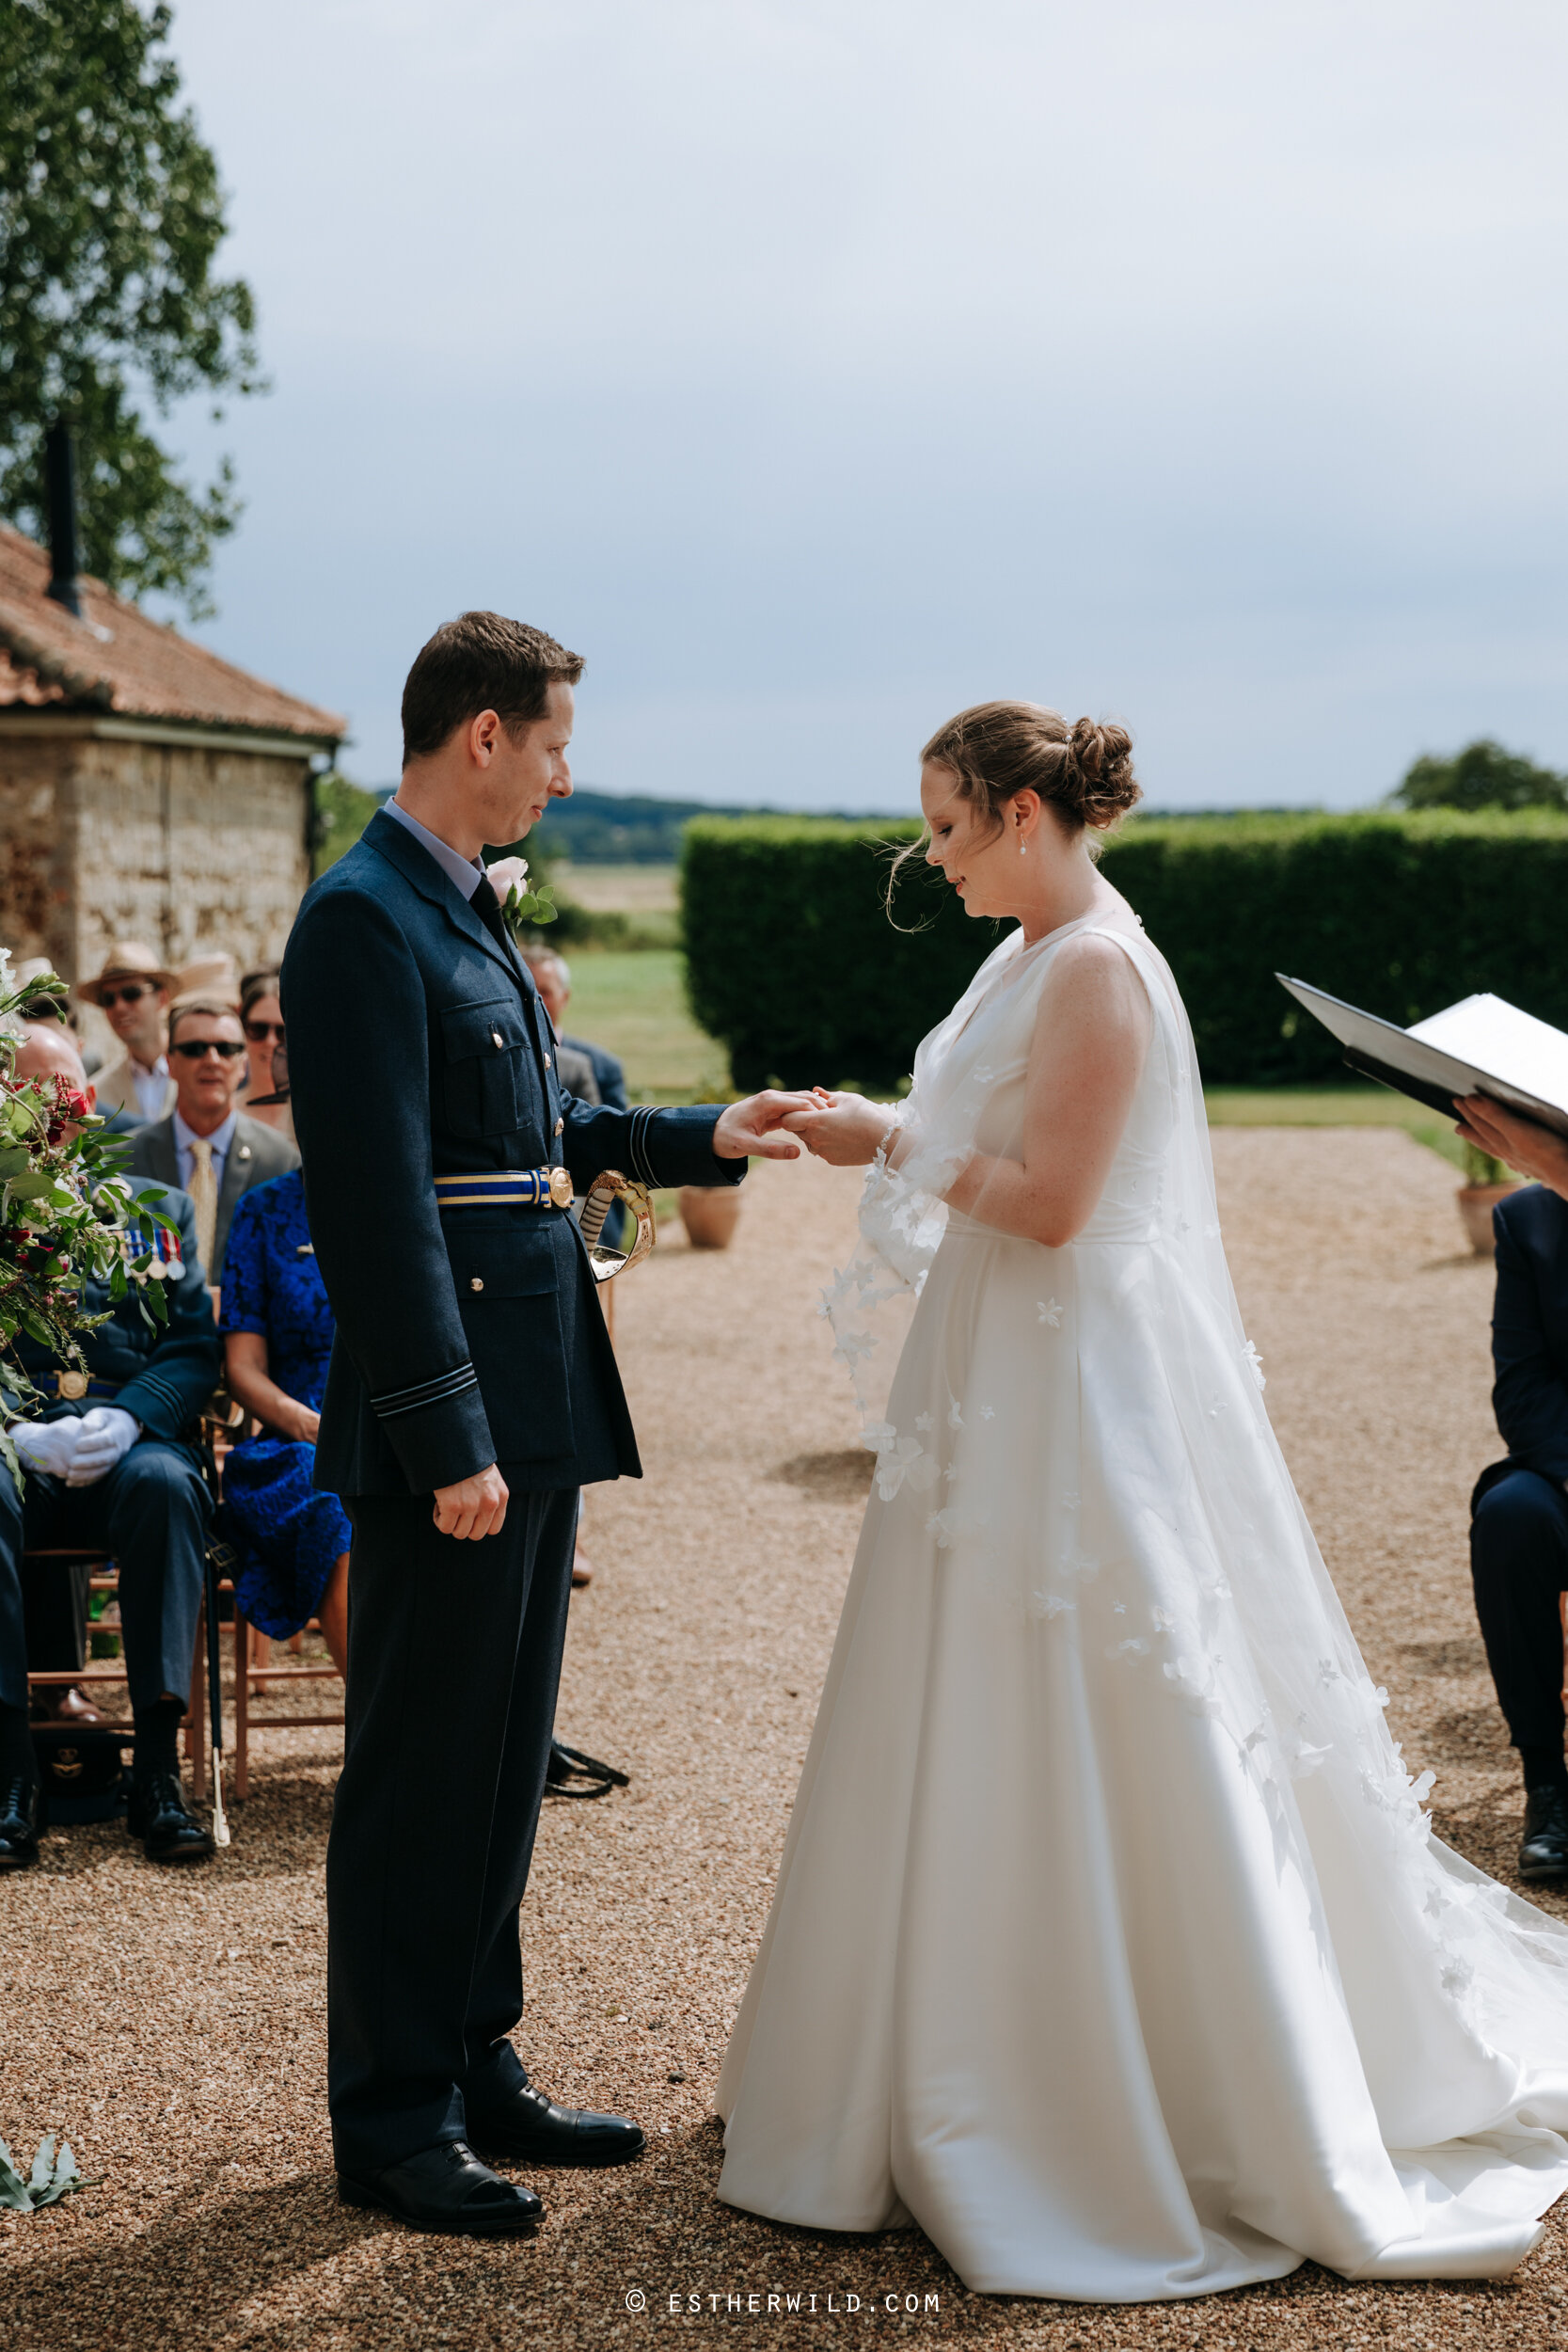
(753, 1129)
(843, 1129)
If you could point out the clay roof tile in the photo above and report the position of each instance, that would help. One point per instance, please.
(117, 658)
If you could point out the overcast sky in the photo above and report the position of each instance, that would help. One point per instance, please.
(816, 367)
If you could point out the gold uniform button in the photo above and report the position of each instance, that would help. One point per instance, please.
(496, 1037)
(475, 1283)
(560, 1126)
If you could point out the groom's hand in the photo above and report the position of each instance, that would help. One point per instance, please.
(846, 1130)
(755, 1129)
(474, 1507)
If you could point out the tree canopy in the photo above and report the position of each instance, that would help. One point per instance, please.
(1484, 775)
(111, 215)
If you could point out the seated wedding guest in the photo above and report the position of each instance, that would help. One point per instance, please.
(277, 1329)
(1519, 1509)
(207, 1146)
(132, 993)
(261, 1019)
(111, 1464)
(552, 977)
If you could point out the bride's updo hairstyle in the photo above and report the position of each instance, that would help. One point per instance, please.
(1083, 773)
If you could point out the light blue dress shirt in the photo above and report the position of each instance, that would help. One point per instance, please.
(464, 874)
(220, 1140)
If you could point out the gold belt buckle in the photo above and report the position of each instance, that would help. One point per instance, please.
(71, 1386)
(608, 1186)
(562, 1189)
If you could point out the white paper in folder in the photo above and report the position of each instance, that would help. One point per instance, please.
(1481, 1045)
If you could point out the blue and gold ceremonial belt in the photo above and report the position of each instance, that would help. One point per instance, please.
(507, 1188)
(74, 1385)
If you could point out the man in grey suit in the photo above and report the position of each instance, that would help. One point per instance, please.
(206, 1146)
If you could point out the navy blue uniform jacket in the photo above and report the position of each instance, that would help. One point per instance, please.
(418, 1047)
(1529, 1335)
(166, 1374)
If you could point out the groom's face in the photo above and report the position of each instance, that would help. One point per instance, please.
(524, 772)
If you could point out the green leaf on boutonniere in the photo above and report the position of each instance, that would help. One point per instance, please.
(527, 907)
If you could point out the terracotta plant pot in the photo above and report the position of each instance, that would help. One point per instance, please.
(1476, 1203)
(710, 1215)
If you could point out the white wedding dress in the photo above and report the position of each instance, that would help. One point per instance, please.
(1111, 1943)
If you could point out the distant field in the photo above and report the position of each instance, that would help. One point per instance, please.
(619, 889)
(635, 1005)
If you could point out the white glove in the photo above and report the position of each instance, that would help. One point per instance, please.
(105, 1434)
(48, 1445)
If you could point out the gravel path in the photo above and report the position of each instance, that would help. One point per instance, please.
(174, 2026)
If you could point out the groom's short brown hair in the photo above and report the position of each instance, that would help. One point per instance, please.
(480, 662)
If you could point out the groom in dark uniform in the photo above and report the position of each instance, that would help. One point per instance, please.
(472, 1392)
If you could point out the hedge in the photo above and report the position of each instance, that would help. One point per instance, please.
(795, 968)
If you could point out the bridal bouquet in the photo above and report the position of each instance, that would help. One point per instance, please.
(65, 1214)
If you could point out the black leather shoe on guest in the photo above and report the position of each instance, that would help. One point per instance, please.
(444, 2188)
(532, 2129)
(157, 1814)
(1544, 1851)
(18, 1823)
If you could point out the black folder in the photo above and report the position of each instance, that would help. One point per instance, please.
(1481, 1045)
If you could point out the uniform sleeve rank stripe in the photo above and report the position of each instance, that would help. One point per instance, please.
(421, 1404)
(425, 1391)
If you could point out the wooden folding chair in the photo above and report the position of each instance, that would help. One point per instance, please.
(246, 1721)
(104, 1579)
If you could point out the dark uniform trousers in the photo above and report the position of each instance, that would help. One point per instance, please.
(1519, 1509)
(421, 1995)
(151, 1512)
(1519, 1568)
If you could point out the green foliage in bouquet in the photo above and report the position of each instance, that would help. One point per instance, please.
(52, 2176)
(66, 1214)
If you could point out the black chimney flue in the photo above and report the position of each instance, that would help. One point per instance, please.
(59, 452)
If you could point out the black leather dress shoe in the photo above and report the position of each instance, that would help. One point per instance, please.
(157, 1814)
(444, 2188)
(532, 2129)
(1544, 1851)
(19, 1824)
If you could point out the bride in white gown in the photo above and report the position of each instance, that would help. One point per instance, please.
(1111, 1943)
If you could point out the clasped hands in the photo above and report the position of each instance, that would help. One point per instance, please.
(80, 1448)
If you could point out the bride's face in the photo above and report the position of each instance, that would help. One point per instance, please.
(975, 854)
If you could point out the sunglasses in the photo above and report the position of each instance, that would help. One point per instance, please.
(259, 1031)
(109, 997)
(193, 1049)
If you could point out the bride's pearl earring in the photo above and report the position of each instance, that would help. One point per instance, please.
(1022, 846)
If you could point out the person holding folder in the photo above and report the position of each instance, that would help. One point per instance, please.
(1519, 1509)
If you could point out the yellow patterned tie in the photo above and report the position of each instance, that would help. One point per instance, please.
(204, 1201)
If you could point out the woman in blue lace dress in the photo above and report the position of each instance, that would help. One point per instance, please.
(277, 1335)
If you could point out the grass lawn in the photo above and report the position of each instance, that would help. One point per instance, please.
(1366, 1104)
(634, 1004)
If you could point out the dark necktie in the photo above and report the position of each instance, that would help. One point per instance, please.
(488, 908)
